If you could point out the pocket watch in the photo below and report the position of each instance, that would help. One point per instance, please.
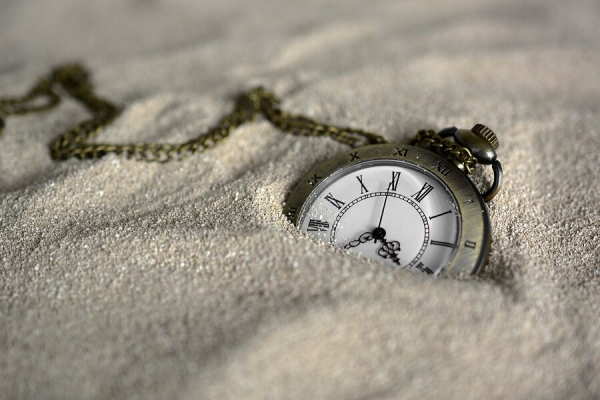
(411, 206)
(404, 205)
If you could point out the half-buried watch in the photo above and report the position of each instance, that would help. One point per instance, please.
(411, 206)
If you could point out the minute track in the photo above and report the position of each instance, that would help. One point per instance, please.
(406, 199)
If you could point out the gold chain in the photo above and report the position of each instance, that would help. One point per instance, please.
(459, 154)
(75, 142)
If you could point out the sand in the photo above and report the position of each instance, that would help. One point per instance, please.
(122, 279)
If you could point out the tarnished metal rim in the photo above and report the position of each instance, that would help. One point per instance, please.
(474, 244)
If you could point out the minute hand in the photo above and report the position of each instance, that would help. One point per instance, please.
(383, 208)
(379, 232)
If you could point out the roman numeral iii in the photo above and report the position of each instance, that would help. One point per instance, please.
(316, 225)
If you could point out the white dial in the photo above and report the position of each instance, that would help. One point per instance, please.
(388, 210)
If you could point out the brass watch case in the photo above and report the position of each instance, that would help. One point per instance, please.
(474, 240)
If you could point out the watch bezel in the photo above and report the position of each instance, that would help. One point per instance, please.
(474, 242)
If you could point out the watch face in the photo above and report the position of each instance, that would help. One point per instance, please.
(387, 210)
(405, 207)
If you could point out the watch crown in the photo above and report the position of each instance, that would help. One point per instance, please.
(486, 133)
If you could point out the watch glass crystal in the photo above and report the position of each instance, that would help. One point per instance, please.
(388, 210)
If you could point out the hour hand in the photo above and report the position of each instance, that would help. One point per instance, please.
(364, 238)
(390, 250)
(377, 234)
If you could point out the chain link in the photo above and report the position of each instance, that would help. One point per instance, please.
(74, 81)
(460, 155)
